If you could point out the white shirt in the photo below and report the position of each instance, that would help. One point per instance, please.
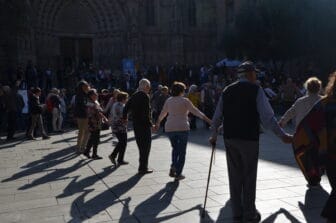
(300, 108)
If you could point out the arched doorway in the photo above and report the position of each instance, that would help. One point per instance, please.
(75, 30)
(70, 33)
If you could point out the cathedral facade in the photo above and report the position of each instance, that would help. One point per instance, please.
(61, 33)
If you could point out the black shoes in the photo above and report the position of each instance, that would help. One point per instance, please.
(179, 177)
(120, 163)
(96, 157)
(172, 172)
(45, 137)
(31, 138)
(143, 172)
(87, 155)
(112, 158)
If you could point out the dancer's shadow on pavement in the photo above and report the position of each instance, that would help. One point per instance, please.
(78, 186)
(82, 210)
(315, 198)
(149, 210)
(46, 164)
(224, 214)
(288, 215)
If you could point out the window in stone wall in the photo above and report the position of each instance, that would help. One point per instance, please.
(192, 13)
(150, 13)
(229, 11)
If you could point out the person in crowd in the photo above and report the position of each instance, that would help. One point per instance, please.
(11, 106)
(109, 106)
(20, 104)
(316, 133)
(177, 127)
(289, 93)
(302, 105)
(119, 128)
(240, 109)
(54, 107)
(80, 113)
(208, 101)
(195, 98)
(154, 102)
(35, 110)
(139, 107)
(125, 83)
(161, 101)
(63, 106)
(104, 98)
(271, 95)
(95, 120)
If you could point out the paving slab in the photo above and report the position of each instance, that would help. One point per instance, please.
(46, 181)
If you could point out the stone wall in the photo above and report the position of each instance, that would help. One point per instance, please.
(184, 31)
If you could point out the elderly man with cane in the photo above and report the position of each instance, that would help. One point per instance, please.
(240, 109)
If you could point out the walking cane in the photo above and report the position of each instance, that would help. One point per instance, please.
(213, 145)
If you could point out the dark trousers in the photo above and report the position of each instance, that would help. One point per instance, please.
(121, 146)
(143, 138)
(11, 124)
(179, 141)
(329, 208)
(242, 161)
(192, 119)
(93, 142)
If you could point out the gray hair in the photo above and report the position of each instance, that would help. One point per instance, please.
(143, 83)
(192, 88)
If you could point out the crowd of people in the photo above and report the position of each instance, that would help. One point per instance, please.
(240, 102)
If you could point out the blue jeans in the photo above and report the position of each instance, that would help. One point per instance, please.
(179, 142)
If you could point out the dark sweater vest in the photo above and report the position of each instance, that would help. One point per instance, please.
(241, 117)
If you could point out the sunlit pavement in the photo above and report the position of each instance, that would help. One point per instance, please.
(45, 181)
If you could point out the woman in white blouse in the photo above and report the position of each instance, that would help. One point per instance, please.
(303, 105)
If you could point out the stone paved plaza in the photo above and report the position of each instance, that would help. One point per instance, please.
(45, 181)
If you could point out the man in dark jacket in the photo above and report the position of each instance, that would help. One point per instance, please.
(11, 108)
(240, 109)
(139, 106)
(35, 109)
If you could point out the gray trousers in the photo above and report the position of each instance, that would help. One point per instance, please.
(242, 162)
(36, 119)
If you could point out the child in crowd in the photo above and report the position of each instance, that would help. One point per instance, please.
(119, 128)
(95, 119)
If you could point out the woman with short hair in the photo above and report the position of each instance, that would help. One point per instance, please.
(177, 126)
(316, 134)
(302, 105)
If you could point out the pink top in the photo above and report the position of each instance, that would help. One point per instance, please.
(178, 109)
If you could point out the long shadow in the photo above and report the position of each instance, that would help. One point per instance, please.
(224, 214)
(314, 198)
(79, 186)
(57, 174)
(102, 201)
(273, 217)
(11, 144)
(64, 140)
(44, 164)
(158, 202)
